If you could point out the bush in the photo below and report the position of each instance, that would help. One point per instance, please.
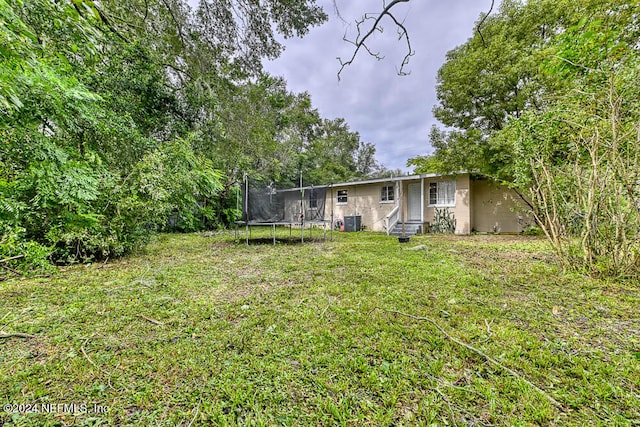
(32, 257)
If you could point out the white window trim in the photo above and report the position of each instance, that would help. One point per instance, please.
(388, 202)
(338, 198)
(443, 205)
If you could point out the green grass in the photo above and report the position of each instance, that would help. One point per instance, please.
(199, 330)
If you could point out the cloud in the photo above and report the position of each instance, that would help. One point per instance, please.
(392, 112)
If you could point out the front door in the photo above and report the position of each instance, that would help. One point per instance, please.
(414, 200)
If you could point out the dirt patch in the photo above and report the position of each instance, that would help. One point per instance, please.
(499, 252)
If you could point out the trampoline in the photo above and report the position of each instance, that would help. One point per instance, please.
(273, 205)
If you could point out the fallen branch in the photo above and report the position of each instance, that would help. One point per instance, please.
(453, 417)
(17, 335)
(324, 311)
(194, 417)
(489, 333)
(87, 356)
(104, 264)
(152, 320)
(2, 261)
(6, 267)
(480, 353)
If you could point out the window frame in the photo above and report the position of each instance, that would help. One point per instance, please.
(313, 199)
(345, 195)
(441, 200)
(385, 192)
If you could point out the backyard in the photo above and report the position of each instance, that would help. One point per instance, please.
(359, 330)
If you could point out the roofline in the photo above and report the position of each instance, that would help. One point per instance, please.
(379, 180)
(398, 178)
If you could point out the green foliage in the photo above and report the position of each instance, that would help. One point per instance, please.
(30, 258)
(121, 118)
(31, 60)
(174, 179)
(425, 164)
(336, 154)
(491, 79)
(545, 97)
(269, 133)
(533, 230)
(579, 156)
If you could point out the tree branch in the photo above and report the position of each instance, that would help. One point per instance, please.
(106, 21)
(360, 41)
(484, 18)
(16, 335)
(480, 353)
(175, 21)
(2, 261)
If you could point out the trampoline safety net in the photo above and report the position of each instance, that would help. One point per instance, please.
(268, 204)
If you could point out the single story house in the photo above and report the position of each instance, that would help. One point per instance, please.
(475, 202)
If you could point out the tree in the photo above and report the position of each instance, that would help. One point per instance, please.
(492, 79)
(104, 110)
(546, 101)
(337, 154)
(579, 156)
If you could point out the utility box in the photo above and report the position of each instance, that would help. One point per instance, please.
(352, 223)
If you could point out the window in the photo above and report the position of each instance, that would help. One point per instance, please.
(342, 197)
(387, 193)
(313, 199)
(442, 193)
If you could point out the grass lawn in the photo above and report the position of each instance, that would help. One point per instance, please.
(198, 330)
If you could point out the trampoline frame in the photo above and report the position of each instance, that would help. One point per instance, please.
(302, 223)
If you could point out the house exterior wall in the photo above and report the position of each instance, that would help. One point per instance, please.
(363, 200)
(462, 208)
(497, 209)
(480, 205)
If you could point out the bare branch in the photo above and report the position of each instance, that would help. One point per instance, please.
(337, 12)
(480, 353)
(403, 34)
(484, 18)
(16, 335)
(360, 41)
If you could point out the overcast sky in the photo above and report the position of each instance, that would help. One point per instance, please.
(392, 112)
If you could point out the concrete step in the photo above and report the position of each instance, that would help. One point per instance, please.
(410, 229)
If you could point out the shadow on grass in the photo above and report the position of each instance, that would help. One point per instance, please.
(281, 241)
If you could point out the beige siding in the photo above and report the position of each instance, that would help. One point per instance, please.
(480, 205)
(497, 209)
(462, 208)
(363, 200)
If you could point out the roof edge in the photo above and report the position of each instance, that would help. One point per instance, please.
(398, 178)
